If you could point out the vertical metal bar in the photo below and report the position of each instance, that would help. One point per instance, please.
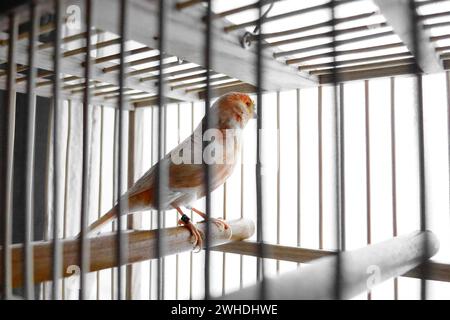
(7, 154)
(100, 183)
(57, 246)
(341, 198)
(299, 172)
(339, 155)
(115, 191)
(152, 159)
(57, 249)
(123, 205)
(278, 231)
(414, 20)
(29, 164)
(368, 168)
(163, 258)
(207, 125)
(160, 176)
(259, 144)
(320, 165)
(191, 259)
(177, 258)
(84, 242)
(422, 175)
(394, 173)
(447, 77)
(241, 257)
(131, 173)
(224, 256)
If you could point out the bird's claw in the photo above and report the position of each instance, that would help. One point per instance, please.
(197, 235)
(198, 240)
(220, 223)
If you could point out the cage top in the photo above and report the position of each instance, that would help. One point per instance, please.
(304, 44)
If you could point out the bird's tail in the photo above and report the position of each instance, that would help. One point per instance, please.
(107, 217)
(139, 201)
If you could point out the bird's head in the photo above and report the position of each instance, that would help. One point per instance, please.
(235, 110)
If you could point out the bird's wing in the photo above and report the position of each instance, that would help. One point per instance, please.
(183, 176)
(144, 183)
(187, 176)
(193, 144)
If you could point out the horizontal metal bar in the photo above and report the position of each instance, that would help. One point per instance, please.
(19, 68)
(345, 52)
(441, 49)
(96, 88)
(440, 37)
(222, 85)
(328, 34)
(434, 15)
(68, 39)
(40, 74)
(202, 81)
(156, 68)
(282, 16)
(335, 44)
(117, 55)
(133, 63)
(24, 35)
(115, 90)
(359, 67)
(251, 6)
(355, 61)
(98, 45)
(187, 4)
(173, 74)
(197, 76)
(50, 82)
(328, 23)
(428, 2)
(365, 74)
(150, 102)
(436, 25)
(386, 260)
(130, 94)
(78, 85)
(445, 56)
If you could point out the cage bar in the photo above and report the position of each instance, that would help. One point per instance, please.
(8, 157)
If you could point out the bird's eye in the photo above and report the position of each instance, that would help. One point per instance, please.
(248, 103)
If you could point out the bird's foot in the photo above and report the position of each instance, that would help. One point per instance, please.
(197, 235)
(219, 222)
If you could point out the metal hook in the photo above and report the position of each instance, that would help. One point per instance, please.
(264, 16)
(248, 37)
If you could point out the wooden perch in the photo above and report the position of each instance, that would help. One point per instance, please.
(359, 270)
(141, 245)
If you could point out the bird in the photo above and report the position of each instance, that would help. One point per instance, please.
(185, 166)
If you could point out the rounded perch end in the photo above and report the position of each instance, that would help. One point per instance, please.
(242, 229)
(433, 243)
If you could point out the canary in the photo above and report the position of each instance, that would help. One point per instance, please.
(185, 165)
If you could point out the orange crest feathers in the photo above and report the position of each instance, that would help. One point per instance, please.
(235, 109)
